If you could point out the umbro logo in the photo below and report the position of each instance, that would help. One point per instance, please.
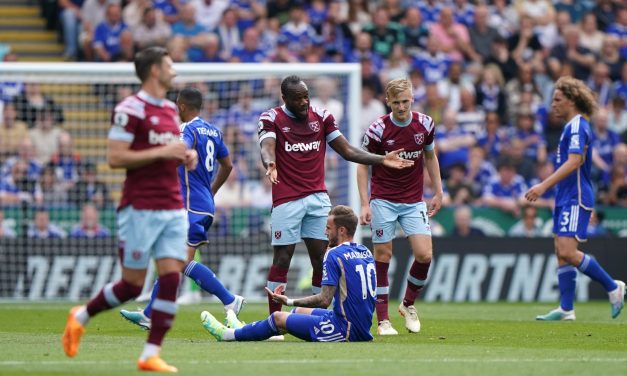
(286, 129)
(390, 142)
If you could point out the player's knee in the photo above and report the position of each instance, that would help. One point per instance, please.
(424, 258)
(280, 319)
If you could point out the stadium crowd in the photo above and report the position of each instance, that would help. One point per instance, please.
(483, 70)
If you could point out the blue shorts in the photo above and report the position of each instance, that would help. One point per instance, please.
(320, 326)
(413, 219)
(198, 227)
(157, 233)
(571, 222)
(299, 219)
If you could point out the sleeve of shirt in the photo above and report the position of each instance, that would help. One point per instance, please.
(100, 35)
(266, 128)
(124, 123)
(430, 126)
(331, 130)
(188, 137)
(221, 149)
(330, 270)
(372, 137)
(577, 140)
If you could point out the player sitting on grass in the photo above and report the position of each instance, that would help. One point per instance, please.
(349, 278)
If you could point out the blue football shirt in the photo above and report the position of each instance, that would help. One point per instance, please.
(576, 188)
(350, 268)
(207, 140)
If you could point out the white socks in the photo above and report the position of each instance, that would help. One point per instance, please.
(150, 350)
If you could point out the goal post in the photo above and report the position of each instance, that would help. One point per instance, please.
(239, 249)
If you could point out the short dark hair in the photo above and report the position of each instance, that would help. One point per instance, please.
(146, 58)
(191, 97)
(288, 82)
(344, 216)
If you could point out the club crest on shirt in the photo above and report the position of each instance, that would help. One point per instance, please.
(277, 235)
(379, 232)
(419, 138)
(314, 125)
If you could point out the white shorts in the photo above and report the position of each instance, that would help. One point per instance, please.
(413, 219)
(157, 233)
(299, 219)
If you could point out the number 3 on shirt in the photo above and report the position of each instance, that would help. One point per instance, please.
(209, 160)
(368, 278)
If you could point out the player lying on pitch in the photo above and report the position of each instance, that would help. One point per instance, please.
(349, 278)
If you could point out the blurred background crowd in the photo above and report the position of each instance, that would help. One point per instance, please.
(484, 70)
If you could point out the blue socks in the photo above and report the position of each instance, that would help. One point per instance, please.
(590, 267)
(257, 331)
(206, 279)
(567, 281)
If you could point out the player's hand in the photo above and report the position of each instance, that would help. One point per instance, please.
(535, 192)
(392, 160)
(191, 159)
(366, 215)
(435, 205)
(175, 150)
(271, 172)
(277, 295)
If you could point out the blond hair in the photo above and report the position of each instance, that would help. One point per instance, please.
(578, 93)
(397, 86)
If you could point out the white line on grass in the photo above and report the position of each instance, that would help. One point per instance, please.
(325, 361)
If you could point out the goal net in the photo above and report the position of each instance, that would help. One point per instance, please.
(57, 183)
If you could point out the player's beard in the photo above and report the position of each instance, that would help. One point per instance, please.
(333, 240)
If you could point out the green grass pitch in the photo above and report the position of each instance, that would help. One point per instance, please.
(456, 339)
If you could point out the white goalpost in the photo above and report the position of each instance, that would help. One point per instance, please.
(240, 252)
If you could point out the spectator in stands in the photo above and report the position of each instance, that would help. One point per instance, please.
(490, 91)
(501, 56)
(529, 226)
(533, 141)
(617, 117)
(49, 191)
(450, 88)
(590, 37)
(595, 226)
(605, 139)
(463, 224)
(17, 187)
(169, 9)
(192, 33)
(515, 88)
(113, 40)
(41, 228)
(454, 143)
(619, 29)
(600, 83)
(6, 229)
(250, 51)
(45, 136)
(505, 191)
(470, 117)
(610, 55)
(66, 161)
(298, 30)
(335, 32)
(434, 104)
(384, 33)
(88, 189)
(515, 151)
(459, 189)
(481, 33)
(133, 12)
(176, 49)
(415, 30)
(503, 17)
(279, 9)
(93, 12)
(479, 171)
(150, 31)
(525, 44)
(573, 53)
(209, 12)
(325, 88)
(248, 11)
(228, 33)
(31, 101)
(12, 132)
(70, 15)
(493, 138)
(463, 12)
(211, 50)
(452, 37)
(89, 225)
(26, 154)
(371, 107)
(282, 52)
(363, 50)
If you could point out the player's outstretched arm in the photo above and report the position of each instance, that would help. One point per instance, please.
(362, 186)
(226, 166)
(120, 154)
(433, 169)
(357, 155)
(573, 162)
(268, 158)
(322, 300)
